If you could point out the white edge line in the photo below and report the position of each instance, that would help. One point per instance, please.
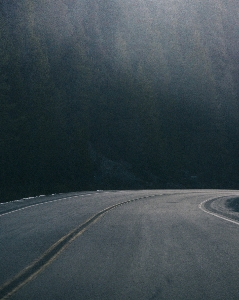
(213, 214)
(36, 204)
(29, 206)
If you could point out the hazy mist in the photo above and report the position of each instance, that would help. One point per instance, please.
(119, 94)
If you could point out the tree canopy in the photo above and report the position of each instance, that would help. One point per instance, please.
(85, 82)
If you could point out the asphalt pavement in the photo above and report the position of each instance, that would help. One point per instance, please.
(149, 244)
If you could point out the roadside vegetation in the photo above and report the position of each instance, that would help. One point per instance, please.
(93, 98)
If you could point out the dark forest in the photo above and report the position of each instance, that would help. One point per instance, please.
(118, 95)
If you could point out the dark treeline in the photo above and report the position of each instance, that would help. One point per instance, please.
(86, 105)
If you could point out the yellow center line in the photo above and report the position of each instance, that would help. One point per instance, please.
(37, 266)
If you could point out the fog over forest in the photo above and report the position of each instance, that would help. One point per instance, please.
(125, 94)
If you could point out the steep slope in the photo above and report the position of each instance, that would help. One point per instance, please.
(151, 85)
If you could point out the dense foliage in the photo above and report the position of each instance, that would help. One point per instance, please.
(92, 97)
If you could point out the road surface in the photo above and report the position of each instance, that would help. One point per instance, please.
(149, 245)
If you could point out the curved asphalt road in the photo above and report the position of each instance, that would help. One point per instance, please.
(157, 245)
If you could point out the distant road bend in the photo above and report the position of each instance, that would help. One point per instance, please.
(147, 244)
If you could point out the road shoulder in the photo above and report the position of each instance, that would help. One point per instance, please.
(221, 206)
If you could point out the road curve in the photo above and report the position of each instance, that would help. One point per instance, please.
(149, 244)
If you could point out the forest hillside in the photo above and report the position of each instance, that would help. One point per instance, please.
(125, 94)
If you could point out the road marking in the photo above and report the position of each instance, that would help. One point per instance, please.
(37, 266)
(40, 203)
(201, 206)
(31, 271)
